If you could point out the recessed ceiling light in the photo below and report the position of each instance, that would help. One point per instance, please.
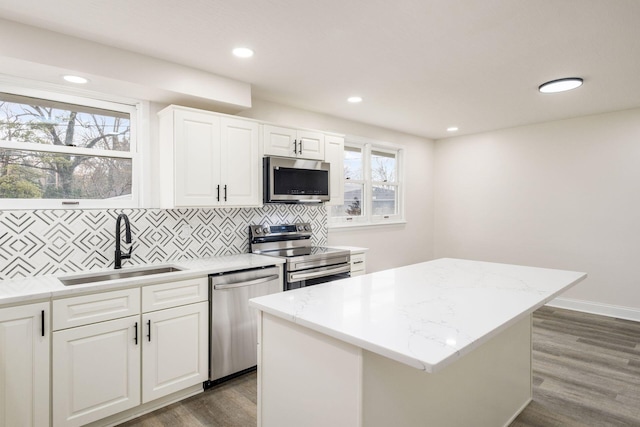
(452, 129)
(243, 52)
(354, 99)
(75, 79)
(560, 85)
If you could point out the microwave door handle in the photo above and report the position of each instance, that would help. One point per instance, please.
(295, 277)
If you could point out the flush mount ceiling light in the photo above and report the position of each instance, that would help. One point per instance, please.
(560, 85)
(75, 79)
(243, 52)
(452, 129)
(354, 99)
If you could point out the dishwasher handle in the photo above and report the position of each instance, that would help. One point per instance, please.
(249, 283)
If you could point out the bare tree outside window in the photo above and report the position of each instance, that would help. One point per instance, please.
(63, 168)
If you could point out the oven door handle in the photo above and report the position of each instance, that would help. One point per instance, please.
(296, 277)
(249, 283)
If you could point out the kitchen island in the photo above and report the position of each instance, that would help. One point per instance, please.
(440, 343)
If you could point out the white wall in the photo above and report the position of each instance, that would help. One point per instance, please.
(563, 194)
(392, 245)
(45, 56)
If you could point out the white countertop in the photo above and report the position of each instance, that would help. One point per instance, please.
(424, 315)
(352, 249)
(24, 290)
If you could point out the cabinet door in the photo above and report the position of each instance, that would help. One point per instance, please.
(175, 349)
(279, 141)
(334, 154)
(310, 145)
(197, 158)
(97, 371)
(241, 167)
(24, 365)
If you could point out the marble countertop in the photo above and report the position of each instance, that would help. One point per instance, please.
(424, 315)
(24, 290)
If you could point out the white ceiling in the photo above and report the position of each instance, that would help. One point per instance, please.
(420, 65)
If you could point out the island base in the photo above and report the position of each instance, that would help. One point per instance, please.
(306, 378)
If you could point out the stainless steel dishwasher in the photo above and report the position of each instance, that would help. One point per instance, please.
(233, 334)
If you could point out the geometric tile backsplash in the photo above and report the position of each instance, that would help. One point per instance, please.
(38, 242)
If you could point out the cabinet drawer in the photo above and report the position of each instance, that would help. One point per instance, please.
(174, 294)
(357, 262)
(83, 310)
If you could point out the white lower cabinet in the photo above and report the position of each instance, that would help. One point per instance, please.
(174, 350)
(108, 357)
(358, 259)
(358, 264)
(24, 365)
(96, 371)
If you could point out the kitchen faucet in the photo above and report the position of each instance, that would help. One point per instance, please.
(127, 238)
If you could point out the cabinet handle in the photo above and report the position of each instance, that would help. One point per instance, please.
(149, 326)
(135, 333)
(295, 146)
(218, 189)
(300, 148)
(225, 192)
(42, 323)
(358, 262)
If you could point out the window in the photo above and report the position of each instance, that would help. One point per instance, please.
(372, 185)
(60, 154)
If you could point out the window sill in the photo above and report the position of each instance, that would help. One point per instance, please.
(364, 225)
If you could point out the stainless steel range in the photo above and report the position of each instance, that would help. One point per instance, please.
(305, 265)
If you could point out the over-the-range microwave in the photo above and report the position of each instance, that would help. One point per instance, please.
(289, 180)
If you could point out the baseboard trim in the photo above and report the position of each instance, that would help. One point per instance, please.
(616, 311)
(518, 412)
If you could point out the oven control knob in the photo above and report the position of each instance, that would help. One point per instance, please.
(257, 230)
(301, 228)
(265, 230)
(307, 228)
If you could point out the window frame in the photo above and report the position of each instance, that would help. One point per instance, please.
(55, 94)
(367, 147)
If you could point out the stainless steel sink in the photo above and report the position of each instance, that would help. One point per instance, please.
(117, 274)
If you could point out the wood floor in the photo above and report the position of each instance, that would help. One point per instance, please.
(586, 372)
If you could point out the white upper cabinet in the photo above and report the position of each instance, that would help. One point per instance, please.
(208, 159)
(197, 158)
(310, 145)
(241, 164)
(287, 142)
(334, 155)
